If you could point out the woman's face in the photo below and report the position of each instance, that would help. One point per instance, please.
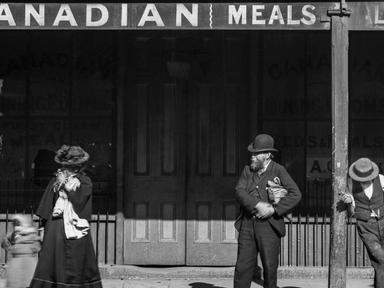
(72, 168)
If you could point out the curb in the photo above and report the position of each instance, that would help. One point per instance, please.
(284, 272)
(123, 272)
(136, 272)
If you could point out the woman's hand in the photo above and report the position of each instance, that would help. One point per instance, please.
(72, 184)
(61, 177)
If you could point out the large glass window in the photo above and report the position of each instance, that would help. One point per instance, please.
(56, 88)
(366, 97)
(296, 110)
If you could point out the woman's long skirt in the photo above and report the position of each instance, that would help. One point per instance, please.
(65, 262)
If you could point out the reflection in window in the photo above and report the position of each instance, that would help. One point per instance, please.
(53, 93)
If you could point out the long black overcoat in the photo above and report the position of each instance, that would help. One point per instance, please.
(66, 262)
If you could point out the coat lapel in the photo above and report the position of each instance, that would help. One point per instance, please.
(258, 178)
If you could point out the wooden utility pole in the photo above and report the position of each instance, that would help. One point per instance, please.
(120, 110)
(337, 258)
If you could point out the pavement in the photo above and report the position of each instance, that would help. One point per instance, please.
(129, 276)
(226, 283)
(219, 283)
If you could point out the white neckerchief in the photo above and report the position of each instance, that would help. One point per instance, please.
(368, 188)
(368, 191)
(261, 171)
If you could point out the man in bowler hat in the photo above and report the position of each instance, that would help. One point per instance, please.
(365, 201)
(262, 224)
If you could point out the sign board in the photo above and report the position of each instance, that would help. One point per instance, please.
(366, 16)
(153, 16)
(319, 168)
(162, 16)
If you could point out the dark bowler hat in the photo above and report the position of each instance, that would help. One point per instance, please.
(262, 143)
(71, 155)
(363, 170)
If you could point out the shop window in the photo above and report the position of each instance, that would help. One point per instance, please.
(296, 110)
(55, 89)
(366, 97)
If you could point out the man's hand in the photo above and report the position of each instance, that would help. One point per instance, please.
(264, 210)
(347, 198)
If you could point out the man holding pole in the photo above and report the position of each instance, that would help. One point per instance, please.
(365, 200)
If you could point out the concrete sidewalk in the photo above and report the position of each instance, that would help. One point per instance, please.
(128, 276)
(183, 272)
(218, 283)
(225, 283)
(222, 277)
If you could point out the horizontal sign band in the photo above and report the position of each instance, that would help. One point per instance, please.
(207, 16)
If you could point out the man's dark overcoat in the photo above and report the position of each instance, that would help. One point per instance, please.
(261, 235)
(251, 189)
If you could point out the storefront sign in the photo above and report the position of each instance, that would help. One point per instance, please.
(366, 16)
(290, 16)
(163, 16)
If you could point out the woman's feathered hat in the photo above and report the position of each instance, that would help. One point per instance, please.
(71, 155)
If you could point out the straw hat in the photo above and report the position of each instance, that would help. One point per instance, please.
(363, 170)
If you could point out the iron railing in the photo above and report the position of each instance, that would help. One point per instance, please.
(306, 242)
(103, 231)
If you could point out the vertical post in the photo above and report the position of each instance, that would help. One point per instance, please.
(120, 148)
(337, 258)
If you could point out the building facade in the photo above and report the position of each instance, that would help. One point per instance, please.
(166, 117)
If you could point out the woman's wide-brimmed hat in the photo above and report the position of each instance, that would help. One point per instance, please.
(71, 155)
(363, 170)
(262, 143)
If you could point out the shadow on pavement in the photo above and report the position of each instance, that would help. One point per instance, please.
(203, 285)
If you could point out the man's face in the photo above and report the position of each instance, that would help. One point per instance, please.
(258, 160)
(366, 184)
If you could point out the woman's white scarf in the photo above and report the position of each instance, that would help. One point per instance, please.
(74, 226)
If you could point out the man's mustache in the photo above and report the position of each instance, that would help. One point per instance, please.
(256, 165)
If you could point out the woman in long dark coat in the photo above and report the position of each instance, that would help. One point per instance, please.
(67, 262)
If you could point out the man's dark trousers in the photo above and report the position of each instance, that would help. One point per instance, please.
(257, 236)
(372, 235)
